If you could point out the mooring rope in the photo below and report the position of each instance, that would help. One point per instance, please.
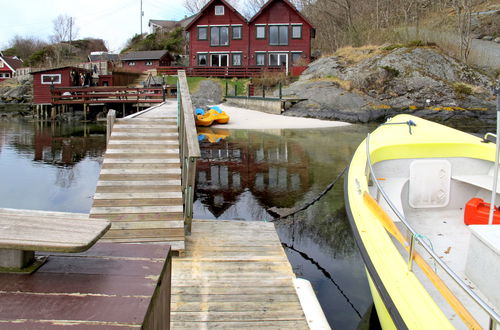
(410, 123)
(323, 193)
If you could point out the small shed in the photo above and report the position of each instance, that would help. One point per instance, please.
(67, 76)
(145, 60)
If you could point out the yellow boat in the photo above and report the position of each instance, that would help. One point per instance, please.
(409, 186)
(214, 114)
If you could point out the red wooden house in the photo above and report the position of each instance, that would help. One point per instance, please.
(218, 36)
(8, 66)
(145, 60)
(278, 35)
(67, 76)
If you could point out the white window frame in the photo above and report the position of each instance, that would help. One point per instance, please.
(232, 59)
(300, 31)
(219, 10)
(132, 63)
(264, 57)
(55, 82)
(198, 59)
(257, 32)
(149, 63)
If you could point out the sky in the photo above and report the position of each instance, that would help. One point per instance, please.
(115, 21)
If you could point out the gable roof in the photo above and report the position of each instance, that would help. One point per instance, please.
(103, 56)
(171, 24)
(12, 62)
(60, 68)
(143, 55)
(201, 13)
(267, 4)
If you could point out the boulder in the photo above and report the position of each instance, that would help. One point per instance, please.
(208, 92)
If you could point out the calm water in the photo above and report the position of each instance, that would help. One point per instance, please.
(247, 172)
(49, 166)
(56, 167)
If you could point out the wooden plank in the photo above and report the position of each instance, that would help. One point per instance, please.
(147, 225)
(268, 324)
(133, 189)
(142, 171)
(138, 202)
(139, 165)
(138, 177)
(158, 216)
(165, 234)
(138, 195)
(37, 233)
(136, 209)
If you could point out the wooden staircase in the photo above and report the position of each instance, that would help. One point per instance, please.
(139, 186)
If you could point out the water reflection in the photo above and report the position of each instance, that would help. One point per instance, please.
(49, 166)
(249, 172)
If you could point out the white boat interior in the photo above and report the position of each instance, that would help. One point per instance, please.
(432, 195)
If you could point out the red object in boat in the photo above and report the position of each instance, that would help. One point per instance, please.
(477, 212)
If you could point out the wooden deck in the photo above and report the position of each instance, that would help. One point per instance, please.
(235, 274)
(139, 187)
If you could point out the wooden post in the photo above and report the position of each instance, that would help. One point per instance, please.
(123, 110)
(263, 92)
(111, 117)
(226, 87)
(235, 90)
(280, 91)
(53, 111)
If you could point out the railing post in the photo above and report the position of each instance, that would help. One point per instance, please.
(109, 124)
(235, 90)
(280, 91)
(411, 252)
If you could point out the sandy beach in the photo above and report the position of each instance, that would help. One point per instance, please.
(250, 119)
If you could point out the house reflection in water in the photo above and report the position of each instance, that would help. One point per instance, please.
(68, 146)
(270, 167)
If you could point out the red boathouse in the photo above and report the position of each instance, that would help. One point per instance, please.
(67, 76)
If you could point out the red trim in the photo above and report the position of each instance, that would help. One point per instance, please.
(201, 13)
(267, 4)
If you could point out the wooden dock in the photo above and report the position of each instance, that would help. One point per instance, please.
(235, 274)
(139, 187)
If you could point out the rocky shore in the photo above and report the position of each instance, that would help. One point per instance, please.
(372, 83)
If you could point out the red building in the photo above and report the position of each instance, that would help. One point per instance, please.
(278, 35)
(8, 66)
(145, 60)
(67, 76)
(218, 36)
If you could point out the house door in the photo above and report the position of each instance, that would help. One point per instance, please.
(219, 59)
(280, 59)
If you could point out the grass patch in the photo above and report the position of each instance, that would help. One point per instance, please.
(410, 44)
(194, 83)
(393, 72)
(355, 55)
(344, 84)
(462, 88)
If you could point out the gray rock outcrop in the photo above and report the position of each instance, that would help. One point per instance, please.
(418, 79)
(208, 92)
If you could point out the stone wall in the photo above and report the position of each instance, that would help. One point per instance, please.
(272, 106)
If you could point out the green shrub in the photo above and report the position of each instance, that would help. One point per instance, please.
(462, 89)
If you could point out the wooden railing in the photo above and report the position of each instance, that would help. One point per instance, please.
(220, 71)
(189, 147)
(117, 94)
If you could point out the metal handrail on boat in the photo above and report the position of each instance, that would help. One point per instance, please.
(415, 237)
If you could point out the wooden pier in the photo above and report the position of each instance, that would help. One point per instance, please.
(234, 275)
(228, 274)
(139, 187)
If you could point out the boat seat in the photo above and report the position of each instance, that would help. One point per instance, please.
(483, 260)
(483, 181)
(393, 187)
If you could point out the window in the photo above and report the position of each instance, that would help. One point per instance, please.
(48, 79)
(261, 32)
(236, 60)
(236, 32)
(260, 59)
(219, 36)
(202, 33)
(202, 59)
(149, 63)
(219, 59)
(219, 10)
(296, 57)
(296, 31)
(131, 63)
(278, 35)
(278, 59)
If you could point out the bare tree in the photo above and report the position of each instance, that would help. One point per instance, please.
(463, 10)
(23, 47)
(64, 28)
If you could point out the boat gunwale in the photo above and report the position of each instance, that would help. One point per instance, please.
(396, 317)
